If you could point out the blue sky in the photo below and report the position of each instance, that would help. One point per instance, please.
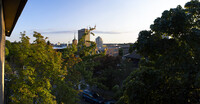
(117, 21)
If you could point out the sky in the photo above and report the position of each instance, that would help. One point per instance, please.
(117, 21)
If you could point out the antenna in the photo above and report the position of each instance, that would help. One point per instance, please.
(74, 35)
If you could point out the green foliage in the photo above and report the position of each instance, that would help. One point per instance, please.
(121, 52)
(169, 73)
(65, 92)
(131, 48)
(107, 71)
(79, 61)
(6, 51)
(38, 66)
(110, 73)
(36, 74)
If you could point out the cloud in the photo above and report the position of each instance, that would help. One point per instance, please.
(57, 32)
(65, 32)
(75, 31)
(107, 32)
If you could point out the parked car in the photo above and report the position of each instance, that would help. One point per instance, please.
(110, 102)
(92, 97)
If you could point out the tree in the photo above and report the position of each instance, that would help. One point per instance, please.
(107, 71)
(169, 72)
(39, 74)
(131, 48)
(79, 62)
(37, 68)
(120, 51)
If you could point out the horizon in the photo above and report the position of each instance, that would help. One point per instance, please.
(117, 21)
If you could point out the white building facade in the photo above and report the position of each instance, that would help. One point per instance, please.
(99, 42)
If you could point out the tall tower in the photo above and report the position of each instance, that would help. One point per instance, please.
(99, 43)
(74, 41)
(87, 37)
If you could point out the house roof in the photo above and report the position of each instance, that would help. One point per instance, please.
(133, 55)
(12, 10)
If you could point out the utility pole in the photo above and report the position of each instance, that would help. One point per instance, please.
(2, 53)
(10, 11)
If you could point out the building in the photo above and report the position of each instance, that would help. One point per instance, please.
(99, 43)
(134, 57)
(10, 10)
(74, 41)
(58, 43)
(112, 51)
(60, 46)
(85, 32)
(125, 48)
